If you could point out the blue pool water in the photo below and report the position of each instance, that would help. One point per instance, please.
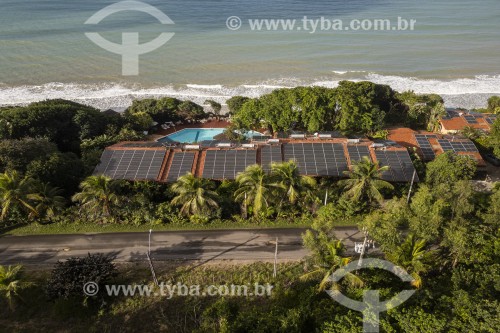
(190, 135)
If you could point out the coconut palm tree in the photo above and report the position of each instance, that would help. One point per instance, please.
(48, 201)
(14, 193)
(413, 256)
(471, 132)
(195, 195)
(254, 188)
(365, 181)
(98, 195)
(437, 112)
(286, 176)
(327, 257)
(10, 283)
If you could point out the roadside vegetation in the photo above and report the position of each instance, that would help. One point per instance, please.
(48, 151)
(446, 238)
(445, 234)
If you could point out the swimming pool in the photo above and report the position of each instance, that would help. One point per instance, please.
(190, 135)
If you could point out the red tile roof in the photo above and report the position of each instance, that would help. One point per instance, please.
(406, 137)
(458, 123)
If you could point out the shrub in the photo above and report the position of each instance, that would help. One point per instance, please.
(69, 277)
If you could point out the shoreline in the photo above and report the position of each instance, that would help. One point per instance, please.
(463, 93)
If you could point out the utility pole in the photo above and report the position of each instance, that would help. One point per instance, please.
(360, 262)
(411, 186)
(275, 273)
(148, 254)
(326, 196)
(149, 241)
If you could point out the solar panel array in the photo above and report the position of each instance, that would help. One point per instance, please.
(470, 119)
(321, 159)
(401, 168)
(458, 146)
(491, 119)
(464, 146)
(425, 146)
(226, 164)
(450, 114)
(182, 163)
(131, 164)
(270, 154)
(356, 153)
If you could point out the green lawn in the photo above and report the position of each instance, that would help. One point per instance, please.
(76, 228)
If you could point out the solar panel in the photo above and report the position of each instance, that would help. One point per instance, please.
(226, 164)
(317, 159)
(105, 160)
(182, 163)
(470, 119)
(270, 154)
(450, 114)
(463, 146)
(425, 146)
(131, 164)
(401, 168)
(446, 145)
(356, 153)
(490, 120)
(458, 146)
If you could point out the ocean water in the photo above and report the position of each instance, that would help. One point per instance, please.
(453, 51)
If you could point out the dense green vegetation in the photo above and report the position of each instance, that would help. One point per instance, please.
(48, 148)
(362, 107)
(446, 236)
(44, 171)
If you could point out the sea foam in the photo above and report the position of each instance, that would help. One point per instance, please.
(466, 92)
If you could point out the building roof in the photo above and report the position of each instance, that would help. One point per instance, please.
(456, 120)
(314, 157)
(437, 144)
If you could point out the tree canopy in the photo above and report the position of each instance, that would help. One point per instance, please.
(166, 109)
(449, 168)
(362, 107)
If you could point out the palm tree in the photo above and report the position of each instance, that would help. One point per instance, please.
(98, 195)
(14, 192)
(365, 181)
(48, 200)
(328, 256)
(286, 175)
(10, 282)
(413, 256)
(471, 132)
(196, 195)
(437, 112)
(254, 188)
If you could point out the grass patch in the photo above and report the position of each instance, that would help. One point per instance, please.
(64, 228)
(78, 228)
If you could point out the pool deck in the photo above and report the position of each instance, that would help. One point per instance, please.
(209, 124)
